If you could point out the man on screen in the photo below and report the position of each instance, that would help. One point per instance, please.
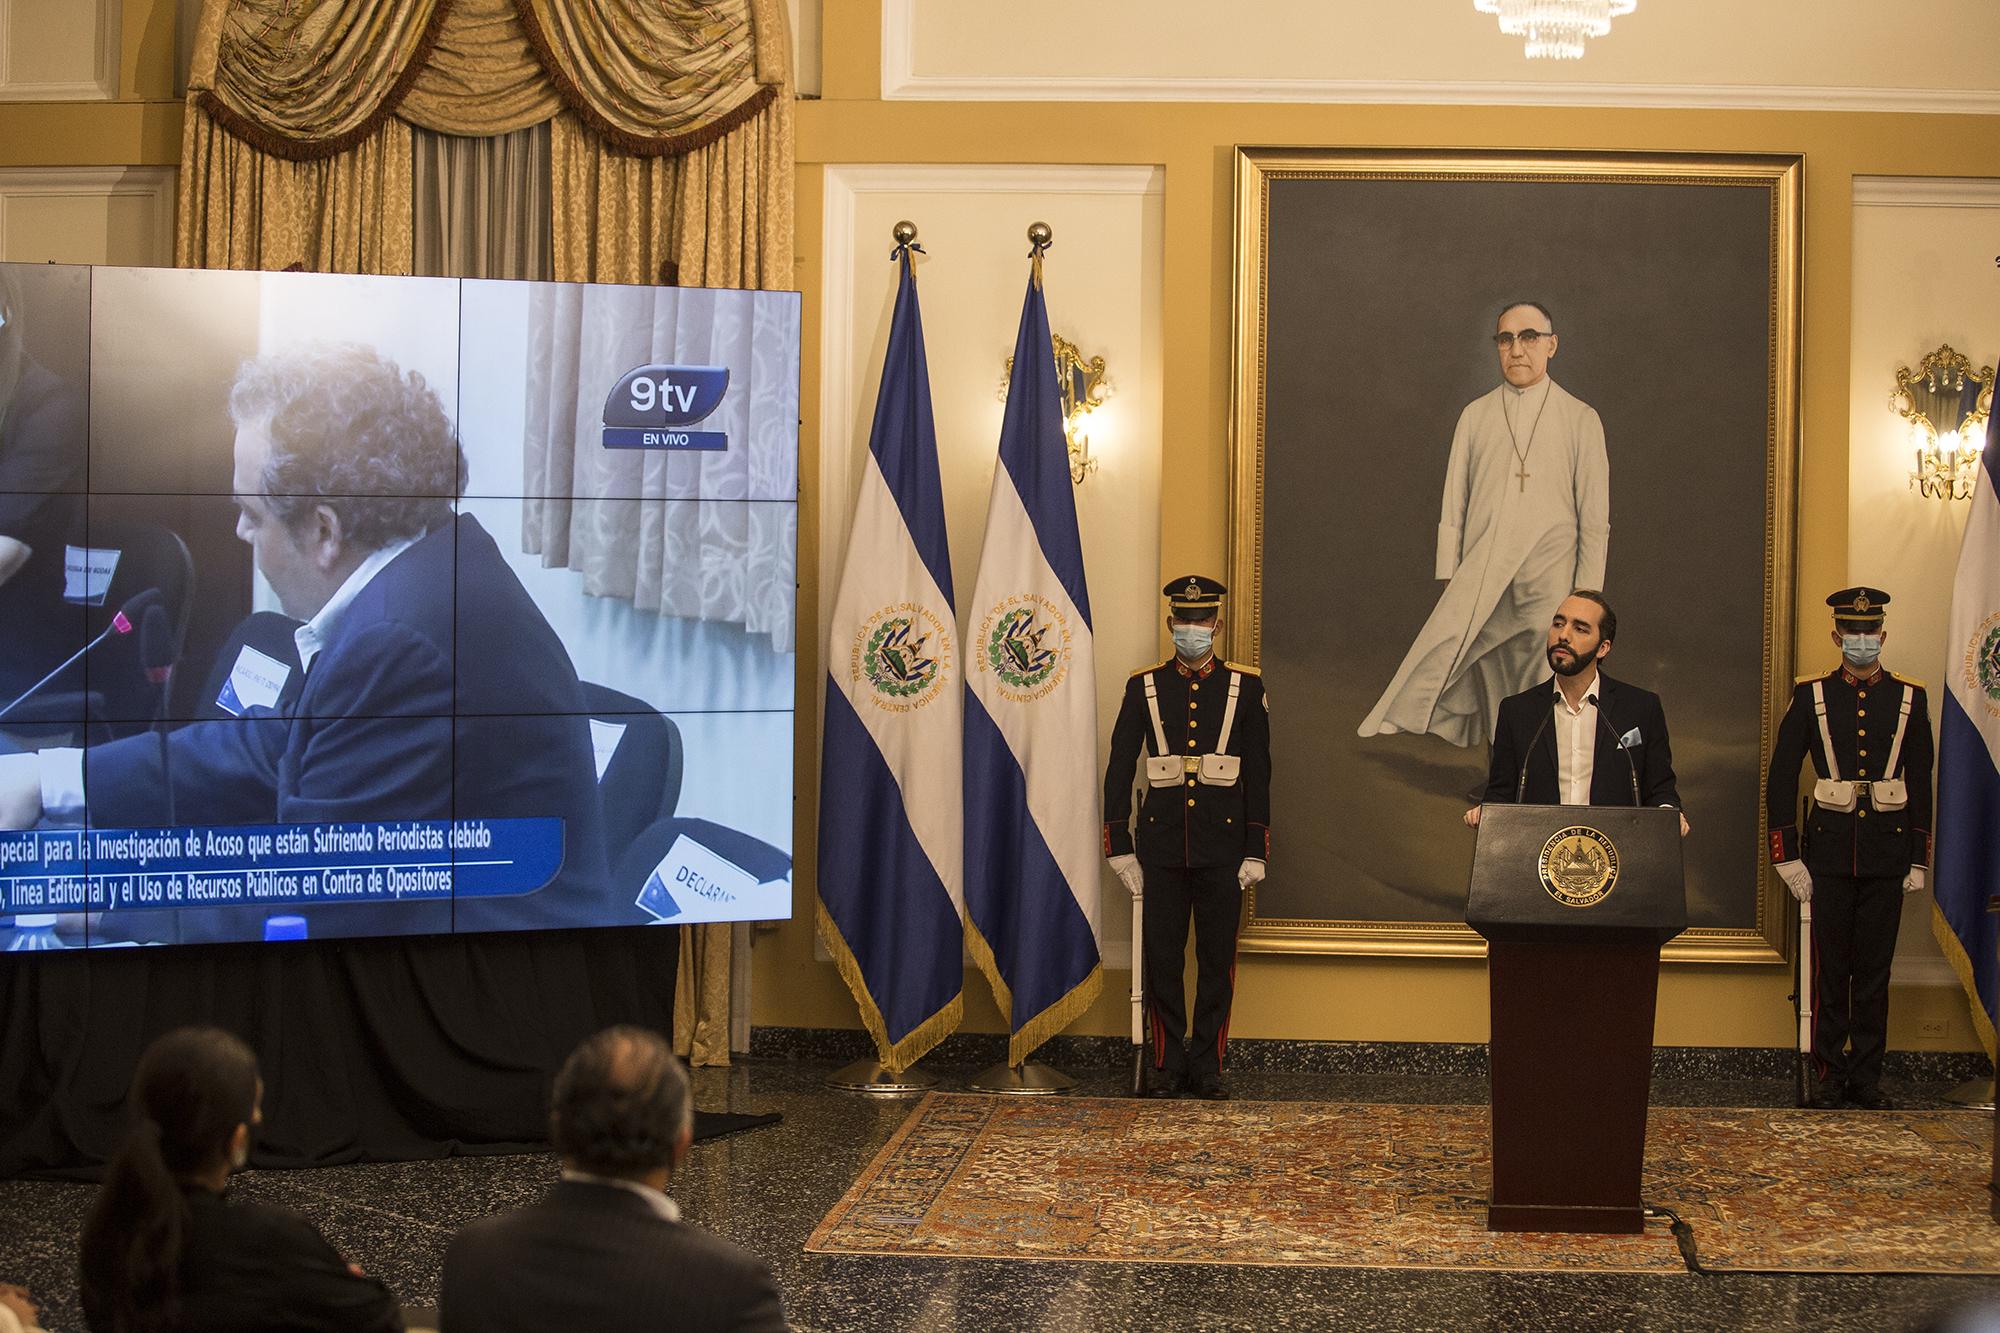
(433, 688)
(1580, 737)
(1526, 517)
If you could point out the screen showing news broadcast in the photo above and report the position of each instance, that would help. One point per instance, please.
(339, 606)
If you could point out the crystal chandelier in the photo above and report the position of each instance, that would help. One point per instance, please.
(1555, 29)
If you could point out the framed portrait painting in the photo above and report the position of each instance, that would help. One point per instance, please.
(1393, 586)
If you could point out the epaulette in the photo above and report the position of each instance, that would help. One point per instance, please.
(1148, 670)
(1246, 670)
(1909, 680)
(1810, 677)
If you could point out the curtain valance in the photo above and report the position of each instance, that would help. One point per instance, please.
(311, 79)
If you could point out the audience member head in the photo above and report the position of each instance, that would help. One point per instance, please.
(338, 453)
(194, 1104)
(621, 1107)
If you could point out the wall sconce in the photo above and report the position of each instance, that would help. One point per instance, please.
(1946, 403)
(1083, 391)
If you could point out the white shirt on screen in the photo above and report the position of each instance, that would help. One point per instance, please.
(62, 767)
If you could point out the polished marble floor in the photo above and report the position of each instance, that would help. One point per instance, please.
(768, 1188)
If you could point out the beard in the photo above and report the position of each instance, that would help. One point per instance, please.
(1569, 664)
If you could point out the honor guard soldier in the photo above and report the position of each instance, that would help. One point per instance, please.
(1203, 830)
(1865, 842)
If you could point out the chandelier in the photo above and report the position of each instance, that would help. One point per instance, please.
(1555, 29)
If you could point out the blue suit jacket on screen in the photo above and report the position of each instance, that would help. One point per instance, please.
(441, 668)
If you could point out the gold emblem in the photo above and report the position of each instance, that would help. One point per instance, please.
(1579, 866)
(1192, 591)
(1861, 603)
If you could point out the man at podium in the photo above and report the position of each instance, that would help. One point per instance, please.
(1581, 738)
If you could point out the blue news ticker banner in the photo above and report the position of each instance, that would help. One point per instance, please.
(303, 865)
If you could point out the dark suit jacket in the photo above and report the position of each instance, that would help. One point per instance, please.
(253, 1268)
(441, 694)
(595, 1257)
(1622, 709)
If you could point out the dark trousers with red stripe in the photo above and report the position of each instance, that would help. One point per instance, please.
(1854, 941)
(1210, 896)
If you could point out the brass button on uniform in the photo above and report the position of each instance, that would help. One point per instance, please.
(1195, 686)
(1190, 745)
(1190, 799)
(1862, 813)
(1864, 754)
(1861, 712)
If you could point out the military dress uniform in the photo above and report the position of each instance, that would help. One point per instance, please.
(1861, 837)
(1197, 827)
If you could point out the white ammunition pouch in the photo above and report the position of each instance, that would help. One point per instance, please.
(1215, 769)
(1843, 798)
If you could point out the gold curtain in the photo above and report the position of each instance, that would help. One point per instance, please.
(670, 145)
(480, 207)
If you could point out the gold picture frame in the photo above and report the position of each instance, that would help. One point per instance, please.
(1325, 220)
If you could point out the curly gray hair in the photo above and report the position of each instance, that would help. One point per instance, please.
(351, 430)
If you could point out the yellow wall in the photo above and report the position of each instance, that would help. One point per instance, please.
(1301, 997)
(1331, 997)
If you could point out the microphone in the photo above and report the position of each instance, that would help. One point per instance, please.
(1521, 787)
(123, 621)
(1617, 741)
(156, 656)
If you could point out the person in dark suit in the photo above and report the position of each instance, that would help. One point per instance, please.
(1581, 738)
(166, 1246)
(433, 687)
(1204, 830)
(1866, 840)
(606, 1249)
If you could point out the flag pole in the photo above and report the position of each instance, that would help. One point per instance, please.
(1030, 1078)
(870, 1076)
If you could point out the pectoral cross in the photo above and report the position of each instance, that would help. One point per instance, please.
(1523, 475)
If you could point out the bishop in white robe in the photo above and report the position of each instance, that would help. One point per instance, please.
(1526, 519)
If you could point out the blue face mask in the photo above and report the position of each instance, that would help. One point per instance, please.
(1861, 649)
(1193, 641)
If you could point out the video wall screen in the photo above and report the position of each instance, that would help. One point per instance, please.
(339, 606)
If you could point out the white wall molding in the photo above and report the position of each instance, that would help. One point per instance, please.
(838, 386)
(1926, 192)
(901, 81)
(152, 186)
(101, 86)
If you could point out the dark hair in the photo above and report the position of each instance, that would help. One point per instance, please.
(354, 432)
(192, 1088)
(1607, 620)
(621, 1101)
(1533, 305)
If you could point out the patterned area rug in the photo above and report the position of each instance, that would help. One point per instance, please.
(975, 1177)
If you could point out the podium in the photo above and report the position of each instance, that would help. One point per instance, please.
(1575, 902)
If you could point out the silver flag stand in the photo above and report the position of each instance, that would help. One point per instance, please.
(1029, 1079)
(874, 1079)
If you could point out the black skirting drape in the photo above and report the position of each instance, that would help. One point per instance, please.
(371, 1050)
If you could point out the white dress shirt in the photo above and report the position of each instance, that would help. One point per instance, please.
(662, 1206)
(1576, 746)
(62, 767)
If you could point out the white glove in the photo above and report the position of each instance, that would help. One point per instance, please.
(1796, 879)
(1126, 867)
(1250, 872)
(1914, 881)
